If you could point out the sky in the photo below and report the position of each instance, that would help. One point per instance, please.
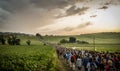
(59, 17)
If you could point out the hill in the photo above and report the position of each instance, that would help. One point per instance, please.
(100, 38)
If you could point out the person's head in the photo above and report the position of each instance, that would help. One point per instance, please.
(110, 63)
(104, 61)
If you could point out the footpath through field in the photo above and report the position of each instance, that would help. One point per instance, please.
(62, 65)
(85, 60)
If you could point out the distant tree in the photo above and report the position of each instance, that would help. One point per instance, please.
(9, 40)
(39, 36)
(63, 41)
(82, 42)
(28, 42)
(13, 40)
(2, 40)
(72, 39)
(17, 41)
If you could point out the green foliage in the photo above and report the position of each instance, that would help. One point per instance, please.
(39, 36)
(82, 42)
(72, 39)
(27, 58)
(28, 42)
(2, 40)
(63, 41)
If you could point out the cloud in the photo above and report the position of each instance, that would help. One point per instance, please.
(92, 16)
(32, 13)
(103, 7)
(77, 27)
(73, 10)
(84, 25)
(68, 28)
(3, 16)
(112, 2)
(52, 3)
(27, 15)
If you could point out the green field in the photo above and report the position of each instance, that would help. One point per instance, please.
(36, 57)
(103, 41)
(26, 58)
(40, 57)
(100, 38)
(98, 47)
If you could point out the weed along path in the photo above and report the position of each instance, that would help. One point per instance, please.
(61, 66)
(61, 62)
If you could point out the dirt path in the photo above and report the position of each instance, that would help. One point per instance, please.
(62, 66)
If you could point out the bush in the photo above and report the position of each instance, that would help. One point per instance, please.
(72, 39)
(63, 41)
(82, 42)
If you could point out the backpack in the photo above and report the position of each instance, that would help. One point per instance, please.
(72, 59)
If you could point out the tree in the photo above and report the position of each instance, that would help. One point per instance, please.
(28, 42)
(2, 40)
(17, 41)
(63, 41)
(9, 40)
(39, 36)
(82, 42)
(13, 40)
(72, 39)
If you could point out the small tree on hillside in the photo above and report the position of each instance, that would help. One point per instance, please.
(17, 41)
(39, 36)
(13, 40)
(2, 40)
(28, 42)
(72, 39)
(63, 41)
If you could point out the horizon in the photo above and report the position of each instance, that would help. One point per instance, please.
(60, 17)
(58, 35)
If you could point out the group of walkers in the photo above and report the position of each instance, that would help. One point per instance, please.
(84, 60)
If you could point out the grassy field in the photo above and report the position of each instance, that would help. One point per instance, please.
(97, 47)
(100, 38)
(103, 41)
(36, 57)
(40, 57)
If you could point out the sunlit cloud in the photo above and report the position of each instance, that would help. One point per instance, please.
(61, 17)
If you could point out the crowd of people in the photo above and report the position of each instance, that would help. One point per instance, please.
(86, 60)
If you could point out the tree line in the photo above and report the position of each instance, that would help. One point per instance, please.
(73, 40)
(11, 40)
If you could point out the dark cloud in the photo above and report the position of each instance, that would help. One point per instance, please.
(107, 3)
(52, 3)
(74, 10)
(14, 12)
(103, 7)
(14, 5)
(10, 7)
(112, 2)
